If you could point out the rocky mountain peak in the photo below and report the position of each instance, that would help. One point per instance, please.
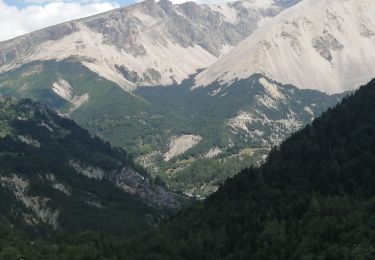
(143, 44)
(312, 45)
(166, 5)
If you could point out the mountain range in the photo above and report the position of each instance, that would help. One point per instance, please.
(313, 198)
(153, 44)
(131, 77)
(324, 45)
(147, 43)
(191, 131)
(178, 134)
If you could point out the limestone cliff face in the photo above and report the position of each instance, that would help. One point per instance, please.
(132, 183)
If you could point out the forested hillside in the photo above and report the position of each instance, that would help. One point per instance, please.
(313, 199)
(234, 125)
(57, 179)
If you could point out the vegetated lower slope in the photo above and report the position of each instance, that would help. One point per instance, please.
(238, 124)
(56, 178)
(313, 199)
(235, 124)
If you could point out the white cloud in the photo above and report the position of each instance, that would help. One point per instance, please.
(15, 21)
(210, 2)
(183, 1)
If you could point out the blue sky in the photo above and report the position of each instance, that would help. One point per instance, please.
(19, 17)
(25, 3)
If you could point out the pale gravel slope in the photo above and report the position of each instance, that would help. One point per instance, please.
(147, 43)
(327, 45)
(180, 144)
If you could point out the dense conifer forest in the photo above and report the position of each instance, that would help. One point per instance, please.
(44, 195)
(312, 199)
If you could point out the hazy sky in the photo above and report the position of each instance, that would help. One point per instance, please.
(18, 17)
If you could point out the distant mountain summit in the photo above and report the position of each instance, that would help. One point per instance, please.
(328, 45)
(77, 67)
(147, 43)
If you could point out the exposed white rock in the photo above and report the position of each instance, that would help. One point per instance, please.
(94, 204)
(278, 128)
(28, 140)
(240, 121)
(59, 186)
(232, 10)
(309, 110)
(155, 43)
(100, 174)
(47, 126)
(272, 96)
(63, 89)
(272, 89)
(327, 45)
(131, 182)
(102, 58)
(229, 12)
(78, 101)
(180, 144)
(38, 205)
(213, 152)
(88, 170)
(259, 4)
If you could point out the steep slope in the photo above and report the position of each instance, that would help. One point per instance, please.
(327, 45)
(55, 177)
(147, 43)
(185, 136)
(312, 199)
(230, 129)
(232, 125)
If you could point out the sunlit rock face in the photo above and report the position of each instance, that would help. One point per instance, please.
(324, 45)
(145, 44)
